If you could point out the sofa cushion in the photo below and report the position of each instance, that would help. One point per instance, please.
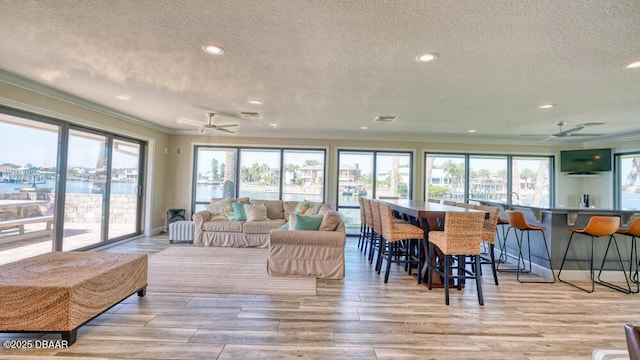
(275, 208)
(302, 207)
(314, 208)
(222, 226)
(308, 222)
(330, 221)
(256, 212)
(238, 211)
(289, 207)
(262, 227)
(217, 207)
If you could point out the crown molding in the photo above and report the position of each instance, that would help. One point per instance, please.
(48, 91)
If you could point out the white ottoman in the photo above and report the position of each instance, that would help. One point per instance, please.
(181, 231)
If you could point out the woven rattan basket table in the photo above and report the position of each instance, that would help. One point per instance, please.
(61, 291)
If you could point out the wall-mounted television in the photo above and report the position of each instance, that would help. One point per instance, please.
(588, 161)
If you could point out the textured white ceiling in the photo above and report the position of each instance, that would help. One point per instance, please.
(325, 68)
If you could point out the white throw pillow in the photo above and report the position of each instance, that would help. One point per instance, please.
(219, 206)
(256, 212)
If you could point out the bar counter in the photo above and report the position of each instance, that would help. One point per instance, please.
(558, 222)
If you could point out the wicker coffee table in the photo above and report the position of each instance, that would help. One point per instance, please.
(61, 291)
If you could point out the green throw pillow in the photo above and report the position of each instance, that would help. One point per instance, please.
(238, 211)
(307, 222)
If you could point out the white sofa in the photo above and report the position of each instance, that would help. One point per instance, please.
(212, 230)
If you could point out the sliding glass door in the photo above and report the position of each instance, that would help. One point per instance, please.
(28, 162)
(65, 187)
(85, 190)
(126, 189)
(371, 174)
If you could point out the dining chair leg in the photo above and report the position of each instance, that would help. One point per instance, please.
(461, 264)
(493, 263)
(430, 265)
(390, 254)
(479, 281)
(446, 279)
(381, 247)
(372, 246)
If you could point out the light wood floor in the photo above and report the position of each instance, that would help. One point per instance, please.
(359, 317)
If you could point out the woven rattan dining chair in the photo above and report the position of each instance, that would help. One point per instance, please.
(460, 238)
(489, 237)
(377, 230)
(435, 201)
(597, 227)
(363, 224)
(633, 230)
(393, 233)
(466, 205)
(449, 202)
(518, 222)
(370, 242)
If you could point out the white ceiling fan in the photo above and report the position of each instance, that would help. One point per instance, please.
(210, 125)
(573, 132)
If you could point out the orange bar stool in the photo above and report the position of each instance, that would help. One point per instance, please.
(518, 222)
(633, 230)
(502, 242)
(598, 226)
(461, 237)
(393, 233)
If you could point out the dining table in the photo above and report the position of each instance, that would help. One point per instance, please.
(430, 217)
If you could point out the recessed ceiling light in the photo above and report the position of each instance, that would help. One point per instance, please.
(426, 57)
(255, 102)
(546, 106)
(633, 65)
(364, 128)
(123, 97)
(273, 125)
(472, 131)
(213, 49)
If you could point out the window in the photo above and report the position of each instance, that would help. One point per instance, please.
(628, 181)
(356, 168)
(269, 174)
(530, 181)
(445, 177)
(509, 179)
(259, 174)
(303, 177)
(488, 178)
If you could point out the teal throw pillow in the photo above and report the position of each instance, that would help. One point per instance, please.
(284, 227)
(238, 211)
(307, 222)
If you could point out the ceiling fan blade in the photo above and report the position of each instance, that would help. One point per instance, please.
(586, 134)
(224, 125)
(569, 131)
(593, 123)
(225, 130)
(190, 122)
